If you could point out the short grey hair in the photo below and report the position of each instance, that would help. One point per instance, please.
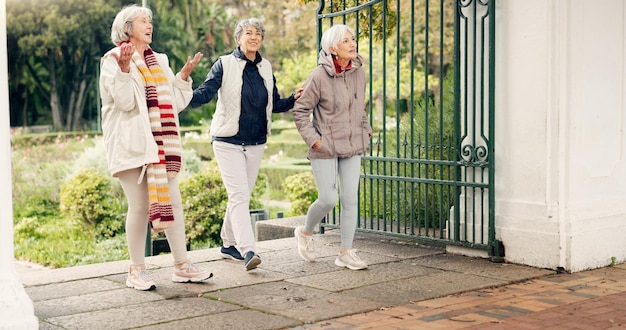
(122, 26)
(334, 35)
(244, 23)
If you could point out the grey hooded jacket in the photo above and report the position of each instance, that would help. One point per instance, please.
(337, 102)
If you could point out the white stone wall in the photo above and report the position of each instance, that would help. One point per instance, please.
(561, 132)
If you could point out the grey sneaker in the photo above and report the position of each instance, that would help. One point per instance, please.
(189, 272)
(350, 260)
(305, 244)
(139, 279)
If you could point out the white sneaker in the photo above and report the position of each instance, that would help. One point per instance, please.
(189, 272)
(139, 279)
(305, 245)
(350, 260)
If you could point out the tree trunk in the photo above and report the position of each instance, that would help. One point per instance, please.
(76, 111)
(55, 104)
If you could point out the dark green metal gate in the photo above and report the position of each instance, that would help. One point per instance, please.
(430, 171)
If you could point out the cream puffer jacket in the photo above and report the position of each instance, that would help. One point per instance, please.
(337, 102)
(125, 122)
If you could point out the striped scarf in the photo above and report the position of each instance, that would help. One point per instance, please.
(165, 132)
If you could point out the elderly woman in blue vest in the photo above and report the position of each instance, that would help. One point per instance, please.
(246, 98)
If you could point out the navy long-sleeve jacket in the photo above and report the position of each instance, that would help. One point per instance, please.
(254, 97)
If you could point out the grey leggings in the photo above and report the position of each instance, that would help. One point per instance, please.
(327, 173)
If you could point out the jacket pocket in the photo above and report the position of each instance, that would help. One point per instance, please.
(336, 142)
(132, 135)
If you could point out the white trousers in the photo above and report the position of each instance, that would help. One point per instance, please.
(137, 218)
(239, 166)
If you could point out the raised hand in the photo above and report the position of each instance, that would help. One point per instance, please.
(123, 59)
(190, 65)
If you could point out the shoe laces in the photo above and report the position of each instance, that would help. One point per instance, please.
(143, 275)
(188, 267)
(308, 243)
(354, 256)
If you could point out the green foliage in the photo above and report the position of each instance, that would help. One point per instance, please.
(56, 242)
(46, 163)
(294, 71)
(35, 188)
(87, 198)
(301, 190)
(56, 47)
(92, 156)
(40, 164)
(183, 28)
(204, 204)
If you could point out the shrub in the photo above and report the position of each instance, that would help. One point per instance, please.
(204, 204)
(277, 173)
(52, 242)
(301, 191)
(40, 164)
(36, 186)
(88, 198)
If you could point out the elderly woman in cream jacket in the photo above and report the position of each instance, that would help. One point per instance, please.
(141, 98)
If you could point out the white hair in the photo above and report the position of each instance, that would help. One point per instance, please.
(334, 35)
(122, 26)
(244, 23)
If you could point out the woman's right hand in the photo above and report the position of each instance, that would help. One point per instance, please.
(317, 145)
(126, 54)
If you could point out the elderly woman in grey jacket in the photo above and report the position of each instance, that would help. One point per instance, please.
(337, 136)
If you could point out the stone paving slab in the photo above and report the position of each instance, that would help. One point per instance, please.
(88, 302)
(295, 301)
(428, 286)
(47, 276)
(481, 267)
(226, 274)
(239, 319)
(65, 289)
(393, 247)
(295, 267)
(138, 315)
(346, 279)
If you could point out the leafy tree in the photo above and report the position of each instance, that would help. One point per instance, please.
(182, 28)
(56, 46)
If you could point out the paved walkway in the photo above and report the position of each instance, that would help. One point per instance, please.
(587, 300)
(406, 287)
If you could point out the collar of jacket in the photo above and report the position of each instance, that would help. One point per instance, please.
(239, 54)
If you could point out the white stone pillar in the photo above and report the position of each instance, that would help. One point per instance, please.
(561, 132)
(16, 308)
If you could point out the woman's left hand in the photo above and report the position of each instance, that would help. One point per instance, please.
(190, 65)
(298, 93)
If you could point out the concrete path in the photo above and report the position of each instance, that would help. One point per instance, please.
(408, 283)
